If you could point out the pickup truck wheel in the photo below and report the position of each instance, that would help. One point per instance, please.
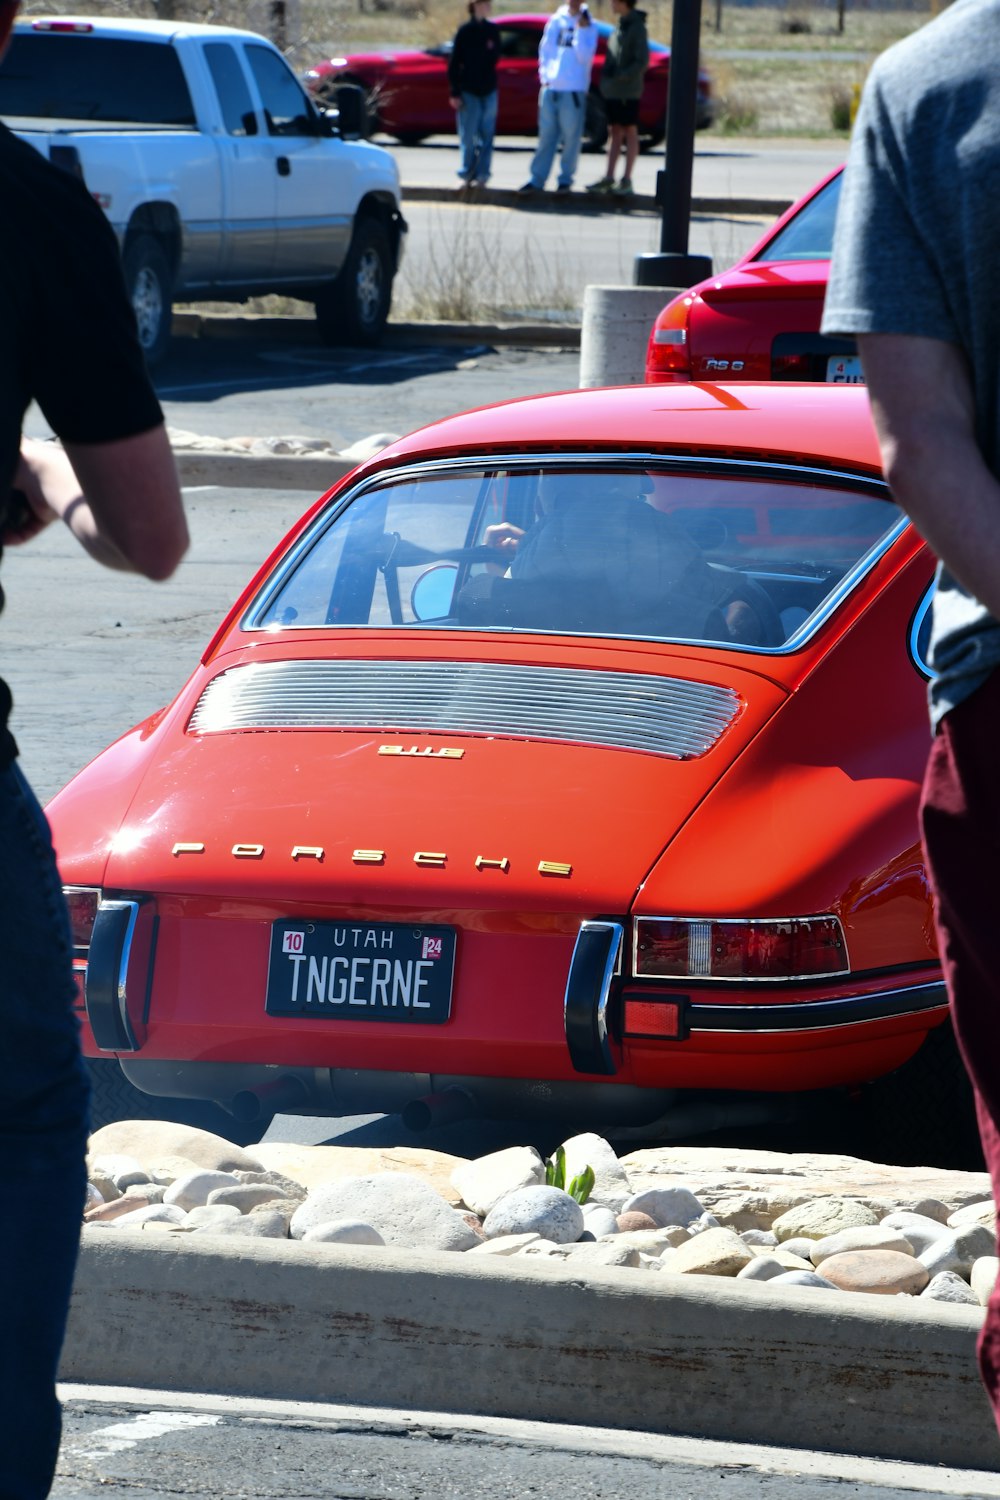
(147, 277)
(354, 308)
(112, 1098)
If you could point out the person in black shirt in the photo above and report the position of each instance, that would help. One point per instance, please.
(472, 78)
(67, 341)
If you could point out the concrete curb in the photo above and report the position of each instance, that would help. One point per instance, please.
(302, 329)
(577, 202)
(251, 471)
(701, 1356)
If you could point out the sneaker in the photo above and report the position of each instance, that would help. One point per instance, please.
(564, 187)
(622, 189)
(478, 182)
(527, 190)
(603, 185)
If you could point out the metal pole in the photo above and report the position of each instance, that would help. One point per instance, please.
(674, 266)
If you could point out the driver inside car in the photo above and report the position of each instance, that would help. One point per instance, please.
(600, 559)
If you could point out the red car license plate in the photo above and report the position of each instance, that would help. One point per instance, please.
(361, 971)
(845, 369)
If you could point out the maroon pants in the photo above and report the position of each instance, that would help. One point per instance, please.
(960, 814)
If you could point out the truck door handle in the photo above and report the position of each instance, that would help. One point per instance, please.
(284, 166)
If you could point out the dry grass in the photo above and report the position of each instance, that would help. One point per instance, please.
(798, 92)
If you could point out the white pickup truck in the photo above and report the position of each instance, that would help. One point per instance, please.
(220, 177)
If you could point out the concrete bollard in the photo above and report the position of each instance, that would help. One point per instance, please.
(615, 332)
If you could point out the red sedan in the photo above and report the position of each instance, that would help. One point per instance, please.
(408, 90)
(562, 760)
(760, 319)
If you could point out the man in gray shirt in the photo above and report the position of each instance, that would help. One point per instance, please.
(914, 270)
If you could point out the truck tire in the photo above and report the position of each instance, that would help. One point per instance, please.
(148, 281)
(113, 1098)
(354, 308)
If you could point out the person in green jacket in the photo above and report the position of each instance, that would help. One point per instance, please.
(621, 88)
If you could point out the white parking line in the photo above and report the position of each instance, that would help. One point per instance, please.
(123, 1435)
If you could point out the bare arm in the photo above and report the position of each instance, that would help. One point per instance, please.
(922, 402)
(121, 500)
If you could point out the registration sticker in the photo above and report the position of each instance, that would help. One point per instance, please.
(361, 971)
(844, 369)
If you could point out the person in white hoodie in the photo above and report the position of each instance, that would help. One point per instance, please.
(565, 57)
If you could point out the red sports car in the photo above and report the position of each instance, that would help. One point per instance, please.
(562, 760)
(407, 90)
(760, 319)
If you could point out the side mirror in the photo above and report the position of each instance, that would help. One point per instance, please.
(431, 595)
(351, 109)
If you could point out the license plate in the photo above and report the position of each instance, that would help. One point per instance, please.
(844, 369)
(361, 971)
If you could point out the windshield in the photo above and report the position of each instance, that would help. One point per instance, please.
(639, 551)
(809, 236)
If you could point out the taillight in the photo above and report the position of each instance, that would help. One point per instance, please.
(667, 355)
(82, 902)
(791, 367)
(687, 948)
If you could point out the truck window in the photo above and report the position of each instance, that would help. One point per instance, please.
(238, 113)
(55, 76)
(286, 108)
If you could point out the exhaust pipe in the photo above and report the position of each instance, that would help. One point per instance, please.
(438, 1109)
(268, 1099)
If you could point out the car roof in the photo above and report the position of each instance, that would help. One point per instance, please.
(125, 28)
(813, 424)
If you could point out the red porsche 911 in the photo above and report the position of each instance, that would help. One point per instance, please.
(407, 89)
(760, 319)
(562, 761)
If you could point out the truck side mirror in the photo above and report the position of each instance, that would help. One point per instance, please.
(351, 111)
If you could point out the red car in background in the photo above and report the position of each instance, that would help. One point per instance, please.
(760, 319)
(407, 90)
(562, 762)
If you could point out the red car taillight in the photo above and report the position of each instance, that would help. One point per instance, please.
(789, 948)
(81, 902)
(667, 355)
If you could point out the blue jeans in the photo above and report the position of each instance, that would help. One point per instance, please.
(477, 122)
(43, 1138)
(560, 123)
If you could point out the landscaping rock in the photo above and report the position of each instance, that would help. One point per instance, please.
(611, 1184)
(947, 1286)
(983, 1277)
(883, 1271)
(600, 1220)
(865, 1237)
(149, 1141)
(804, 1278)
(207, 1214)
(482, 1183)
(633, 1220)
(919, 1229)
(714, 1252)
(984, 1213)
(822, 1217)
(957, 1250)
(192, 1190)
(248, 1195)
(321, 1166)
(547, 1211)
(403, 1209)
(668, 1205)
(344, 1232)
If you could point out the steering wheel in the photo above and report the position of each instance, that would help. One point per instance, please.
(740, 589)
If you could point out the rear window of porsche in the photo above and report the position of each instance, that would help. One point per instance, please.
(645, 551)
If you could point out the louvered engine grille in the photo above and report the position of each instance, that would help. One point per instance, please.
(664, 715)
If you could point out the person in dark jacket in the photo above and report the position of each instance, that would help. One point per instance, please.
(621, 89)
(472, 78)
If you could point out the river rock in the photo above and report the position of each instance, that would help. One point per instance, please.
(611, 1184)
(804, 1278)
(343, 1232)
(192, 1190)
(822, 1217)
(714, 1252)
(121, 1169)
(505, 1244)
(765, 1237)
(248, 1195)
(600, 1220)
(763, 1268)
(403, 1209)
(983, 1277)
(119, 1208)
(154, 1140)
(919, 1229)
(984, 1212)
(481, 1183)
(548, 1211)
(262, 1224)
(626, 1223)
(958, 1250)
(865, 1237)
(667, 1205)
(883, 1271)
(948, 1286)
(206, 1214)
(166, 1213)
